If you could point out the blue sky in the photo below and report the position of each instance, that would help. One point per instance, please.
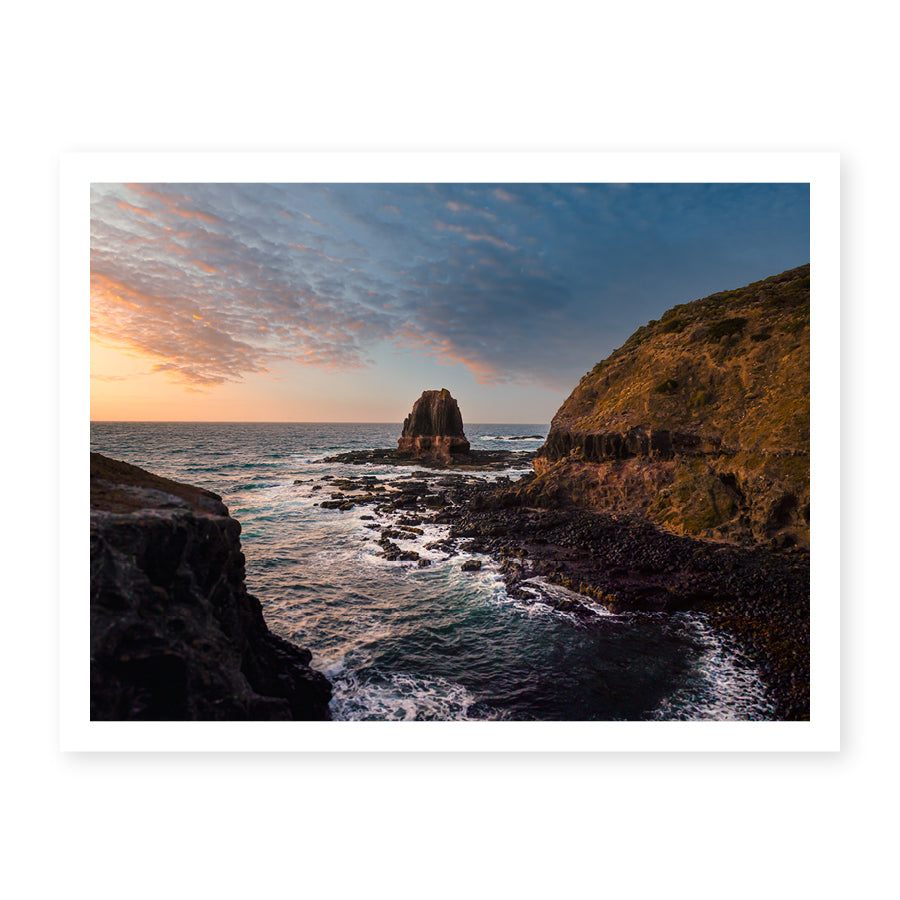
(315, 302)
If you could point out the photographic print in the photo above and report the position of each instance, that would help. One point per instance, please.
(450, 451)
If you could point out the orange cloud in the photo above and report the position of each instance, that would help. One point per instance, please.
(444, 226)
(444, 353)
(123, 204)
(171, 331)
(490, 239)
(175, 203)
(205, 266)
(305, 249)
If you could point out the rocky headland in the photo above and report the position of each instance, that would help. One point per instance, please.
(174, 633)
(699, 423)
(674, 478)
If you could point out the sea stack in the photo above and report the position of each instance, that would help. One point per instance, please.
(434, 428)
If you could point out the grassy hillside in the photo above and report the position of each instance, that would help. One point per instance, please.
(698, 422)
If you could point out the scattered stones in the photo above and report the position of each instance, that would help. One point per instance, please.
(758, 596)
(473, 461)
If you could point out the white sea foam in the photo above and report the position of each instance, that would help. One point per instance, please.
(401, 698)
(544, 598)
(727, 686)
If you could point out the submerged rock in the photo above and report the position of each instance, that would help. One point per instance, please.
(174, 633)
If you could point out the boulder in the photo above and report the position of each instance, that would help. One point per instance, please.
(434, 428)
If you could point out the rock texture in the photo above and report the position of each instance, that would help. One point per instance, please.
(174, 633)
(434, 428)
(699, 423)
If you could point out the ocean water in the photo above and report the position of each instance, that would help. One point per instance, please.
(400, 642)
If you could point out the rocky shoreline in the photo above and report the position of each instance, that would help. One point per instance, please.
(174, 633)
(757, 596)
(472, 461)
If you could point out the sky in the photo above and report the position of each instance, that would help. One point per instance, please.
(343, 302)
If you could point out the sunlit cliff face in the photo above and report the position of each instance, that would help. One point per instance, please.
(323, 302)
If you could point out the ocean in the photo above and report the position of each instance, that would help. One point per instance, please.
(404, 642)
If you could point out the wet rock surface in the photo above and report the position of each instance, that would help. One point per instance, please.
(474, 460)
(174, 633)
(758, 596)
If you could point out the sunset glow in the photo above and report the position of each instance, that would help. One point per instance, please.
(342, 302)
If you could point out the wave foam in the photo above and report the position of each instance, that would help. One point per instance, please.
(727, 686)
(402, 698)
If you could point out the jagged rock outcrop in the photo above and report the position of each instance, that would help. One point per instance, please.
(698, 423)
(434, 428)
(174, 633)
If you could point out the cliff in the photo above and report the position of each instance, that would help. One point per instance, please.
(699, 423)
(434, 428)
(174, 633)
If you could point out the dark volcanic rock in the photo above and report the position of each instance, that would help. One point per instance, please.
(758, 596)
(174, 633)
(434, 428)
(474, 460)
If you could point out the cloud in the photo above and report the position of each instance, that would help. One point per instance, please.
(491, 239)
(215, 283)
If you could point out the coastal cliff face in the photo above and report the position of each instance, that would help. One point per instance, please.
(174, 633)
(434, 428)
(699, 423)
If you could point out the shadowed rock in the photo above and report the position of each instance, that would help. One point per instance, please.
(434, 428)
(174, 633)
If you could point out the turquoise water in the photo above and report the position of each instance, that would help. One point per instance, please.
(403, 642)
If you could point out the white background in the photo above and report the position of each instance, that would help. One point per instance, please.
(506, 77)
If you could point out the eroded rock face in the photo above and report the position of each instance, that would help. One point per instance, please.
(699, 422)
(174, 633)
(434, 428)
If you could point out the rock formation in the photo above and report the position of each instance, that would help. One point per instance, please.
(174, 633)
(699, 422)
(434, 428)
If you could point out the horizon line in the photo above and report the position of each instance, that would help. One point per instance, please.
(271, 422)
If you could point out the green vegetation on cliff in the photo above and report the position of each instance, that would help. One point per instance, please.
(699, 421)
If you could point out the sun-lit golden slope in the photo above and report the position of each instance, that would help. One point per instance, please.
(699, 422)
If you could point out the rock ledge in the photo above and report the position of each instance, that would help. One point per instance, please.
(174, 633)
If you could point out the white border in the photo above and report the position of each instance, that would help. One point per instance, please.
(77, 171)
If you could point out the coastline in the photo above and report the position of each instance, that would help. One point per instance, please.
(757, 596)
(175, 635)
